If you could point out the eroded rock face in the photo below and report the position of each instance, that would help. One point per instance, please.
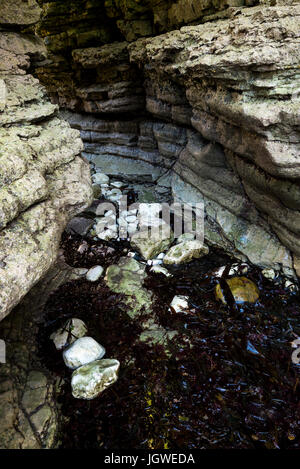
(222, 112)
(43, 179)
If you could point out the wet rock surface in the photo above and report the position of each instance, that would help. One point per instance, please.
(90, 380)
(71, 331)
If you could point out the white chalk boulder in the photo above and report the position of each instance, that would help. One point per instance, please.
(90, 380)
(83, 351)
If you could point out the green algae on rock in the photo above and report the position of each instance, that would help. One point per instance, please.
(127, 277)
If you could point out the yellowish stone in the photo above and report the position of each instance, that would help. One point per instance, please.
(242, 289)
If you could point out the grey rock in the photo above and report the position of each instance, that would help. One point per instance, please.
(72, 330)
(90, 380)
(151, 243)
(82, 351)
(79, 225)
(185, 252)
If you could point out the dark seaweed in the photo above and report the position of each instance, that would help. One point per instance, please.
(229, 383)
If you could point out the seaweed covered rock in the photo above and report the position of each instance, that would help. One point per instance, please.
(127, 277)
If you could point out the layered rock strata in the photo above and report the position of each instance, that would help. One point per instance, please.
(43, 179)
(210, 111)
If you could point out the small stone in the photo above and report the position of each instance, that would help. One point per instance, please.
(149, 215)
(106, 223)
(242, 289)
(185, 252)
(132, 228)
(131, 254)
(154, 262)
(72, 330)
(185, 237)
(90, 380)
(117, 184)
(81, 271)
(83, 351)
(94, 273)
(158, 269)
(219, 271)
(131, 219)
(100, 178)
(291, 286)
(270, 274)
(114, 195)
(109, 213)
(161, 255)
(107, 234)
(179, 303)
(132, 211)
(238, 269)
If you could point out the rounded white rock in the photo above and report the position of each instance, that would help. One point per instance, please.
(90, 380)
(100, 178)
(270, 274)
(161, 255)
(72, 330)
(117, 184)
(83, 351)
(94, 273)
(179, 303)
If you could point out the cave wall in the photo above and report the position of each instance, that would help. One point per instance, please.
(210, 110)
(43, 179)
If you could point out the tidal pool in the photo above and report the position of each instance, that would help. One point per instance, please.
(225, 380)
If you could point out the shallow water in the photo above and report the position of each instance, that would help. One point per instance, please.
(229, 382)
